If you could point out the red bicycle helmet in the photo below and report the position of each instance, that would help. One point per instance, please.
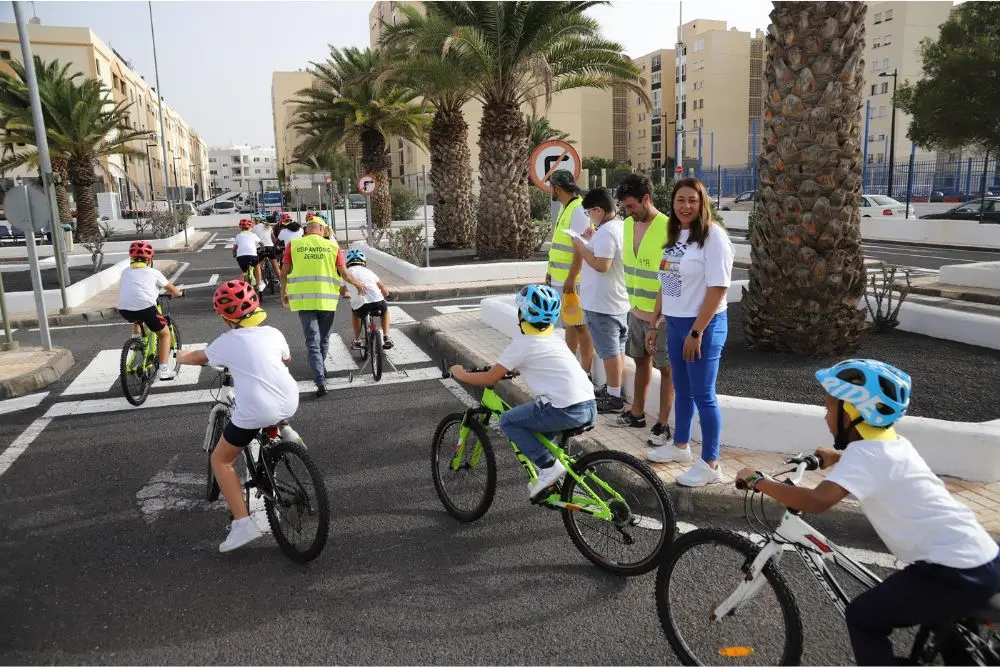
(141, 250)
(246, 223)
(235, 299)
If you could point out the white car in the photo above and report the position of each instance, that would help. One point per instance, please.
(877, 206)
(744, 202)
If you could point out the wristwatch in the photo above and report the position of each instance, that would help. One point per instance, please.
(695, 333)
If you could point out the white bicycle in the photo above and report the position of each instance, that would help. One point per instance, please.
(741, 611)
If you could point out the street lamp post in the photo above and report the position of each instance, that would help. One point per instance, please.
(892, 129)
(149, 165)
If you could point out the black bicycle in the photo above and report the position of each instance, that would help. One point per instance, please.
(372, 342)
(267, 273)
(280, 472)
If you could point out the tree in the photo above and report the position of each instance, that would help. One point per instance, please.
(807, 274)
(957, 102)
(415, 52)
(539, 130)
(84, 127)
(348, 101)
(338, 165)
(515, 54)
(595, 163)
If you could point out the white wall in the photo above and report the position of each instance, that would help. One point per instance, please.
(984, 275)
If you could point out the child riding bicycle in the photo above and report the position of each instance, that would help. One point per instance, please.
(245, 246)
(138, 289)
(953, 566)
(564, 397)
(266, 252)
(257, 358)
(371, 300)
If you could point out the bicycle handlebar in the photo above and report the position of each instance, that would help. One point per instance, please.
(446, 373)
(803, 463)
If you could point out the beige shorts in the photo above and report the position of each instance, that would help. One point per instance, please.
(635, 347)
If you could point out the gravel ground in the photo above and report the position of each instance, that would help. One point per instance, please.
(20, 281)
(442, 257)
(951, 380)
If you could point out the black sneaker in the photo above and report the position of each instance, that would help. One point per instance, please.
(627, 420)
(607, 403)
(601, 391)
(321, 390)
(660, 435)
(387, 344)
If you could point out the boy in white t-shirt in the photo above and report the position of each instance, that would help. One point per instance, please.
(371, 300)
(952, 562)
(139, 287)
(245, 245)
(257, 358)
(564, 396)
(266, 251)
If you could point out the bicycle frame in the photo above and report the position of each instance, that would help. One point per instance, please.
(492, 405)
(150, 340)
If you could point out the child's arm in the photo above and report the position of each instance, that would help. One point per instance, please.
(382, 288)
(811, 501)
(192, 357)
(481, 379)
(599, 264)
(234, 250)
(173, 291)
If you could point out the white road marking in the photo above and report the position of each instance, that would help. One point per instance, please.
(178, 272)
(21, 443)
(405, 351)
(99, 375)
(209, 283)
(459, 392)
(85, 326)
(22, 402)
(338, 356)
(460, 308)
(208, 243)
(187, 374)
(398, 316)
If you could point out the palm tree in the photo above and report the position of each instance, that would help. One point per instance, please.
(516, 53)
(807, 274)
(414, 52)
(540, 130)
(337, 164)
(349, 102)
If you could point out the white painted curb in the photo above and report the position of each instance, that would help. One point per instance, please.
(462, 273)
(960, 449)
(985, 275)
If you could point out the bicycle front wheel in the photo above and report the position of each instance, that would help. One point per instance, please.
(300, 515)
(465, 476)
(211, 484)
(377, 353)
(642, 519)
(133, 375)
(703, 569)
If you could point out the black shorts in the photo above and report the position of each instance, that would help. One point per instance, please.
(376, 308)
(266, 252)
(246, 261)
(239, 437)
(148, 316)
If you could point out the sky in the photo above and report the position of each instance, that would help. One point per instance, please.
(216, 58)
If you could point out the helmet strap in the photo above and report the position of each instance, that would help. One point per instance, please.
(846, 433)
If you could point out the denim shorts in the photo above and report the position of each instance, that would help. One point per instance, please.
(608, 332)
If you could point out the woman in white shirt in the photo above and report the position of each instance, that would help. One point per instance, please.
(695, 273)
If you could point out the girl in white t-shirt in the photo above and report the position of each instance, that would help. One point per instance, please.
(695, 273)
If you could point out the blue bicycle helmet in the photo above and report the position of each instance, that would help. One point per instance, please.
(355, 256)
(879, 392)
(539, 304)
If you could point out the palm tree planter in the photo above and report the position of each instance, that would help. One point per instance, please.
(807, 275)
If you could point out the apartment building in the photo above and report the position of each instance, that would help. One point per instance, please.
(651, 136)
(242, 168)
(138, 179)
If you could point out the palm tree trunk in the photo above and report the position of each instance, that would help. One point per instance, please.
(807, 274)
(61, 169)
(451, 178)
(375, 161)
(504, 208)
(81, 174)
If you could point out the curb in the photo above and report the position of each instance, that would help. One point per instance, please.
(39, 378)
(721, 500)
(417, 293)
(972, 297)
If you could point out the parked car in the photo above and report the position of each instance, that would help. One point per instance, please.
(876, 206)
(223, 207)
(246, 207)
(356, 201)
(970, 211)
(744, 202)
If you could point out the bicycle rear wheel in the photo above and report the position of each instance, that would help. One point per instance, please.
(133, 375)
(272, 280)
(642, 520)
(212, 485)
(300, 517)
(375, 339)
(700, 571)
(466, 480)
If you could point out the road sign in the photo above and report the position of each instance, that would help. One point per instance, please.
(21, 215)
(678, 169)
(367, 185)
(549, 156)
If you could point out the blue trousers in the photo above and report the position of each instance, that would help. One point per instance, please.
(694, 381)
(316, 325)
(521, 422)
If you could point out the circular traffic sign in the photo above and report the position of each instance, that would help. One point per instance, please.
(678, 169)
(549, 156)
(367, 185)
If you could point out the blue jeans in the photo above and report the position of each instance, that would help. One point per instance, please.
(316, 325)
(520, 424)
(694, 381)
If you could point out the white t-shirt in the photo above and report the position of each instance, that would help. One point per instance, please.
(605, 292)
(909, 506)
(265, 391)
(246, 244)
(138, 288)
(286, 235)
(687, 270)
(372, 293)
(578, 222)
(263, 232)
(549, 369)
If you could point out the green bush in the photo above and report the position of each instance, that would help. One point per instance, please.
(540, 204)
(405, 203)
(661, 196)
(407, 244)
(543, 230)
(755, 215)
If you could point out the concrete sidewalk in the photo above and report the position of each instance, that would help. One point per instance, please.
(465, 339)
(400, 290)
(27, 369)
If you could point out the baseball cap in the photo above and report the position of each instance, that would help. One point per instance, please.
(564, 179)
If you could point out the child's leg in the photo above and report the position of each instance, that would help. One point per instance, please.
(229, 482)
(256, 270)
(356, 326)
(520, 424)
(163, 345)
(385, 321)
(136, 329)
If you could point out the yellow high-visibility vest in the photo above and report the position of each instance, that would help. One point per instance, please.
(642, 279)
(561, 251)
(313, 283)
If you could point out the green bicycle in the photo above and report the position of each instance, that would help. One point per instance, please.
(608, 499)
(140, 358)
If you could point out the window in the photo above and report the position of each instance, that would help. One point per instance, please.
(885, 63)
(885, 87)
(656, 77)
(657, 62)
(97, 63)
(211, 159)
(256, 159)
(887, 40)
(699, 45)
(4, 55)
(888, 15)
(256, 171)
(657, 147)
(874, 87)
(883, 111)
(878, 17)
(213, 172)
(876, 42)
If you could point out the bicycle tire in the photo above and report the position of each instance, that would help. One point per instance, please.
(365, 340)
(377, 355)
(439, 447)
(138, 346)
(792, 649)
(177, 344)
(272, 279)
(212, 485)
(275, 453)
(667, 518)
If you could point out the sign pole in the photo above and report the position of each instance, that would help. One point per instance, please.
(427, 243)
(10, 343)
(347, 230)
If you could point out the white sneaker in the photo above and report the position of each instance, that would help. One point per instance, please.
(546, 478)
(288, 434)
(243, 531)
(166, 372)
(263, 286)
(670, 454)
(700, 474)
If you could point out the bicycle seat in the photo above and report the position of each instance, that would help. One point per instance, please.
(571, 432)
(991, 612)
